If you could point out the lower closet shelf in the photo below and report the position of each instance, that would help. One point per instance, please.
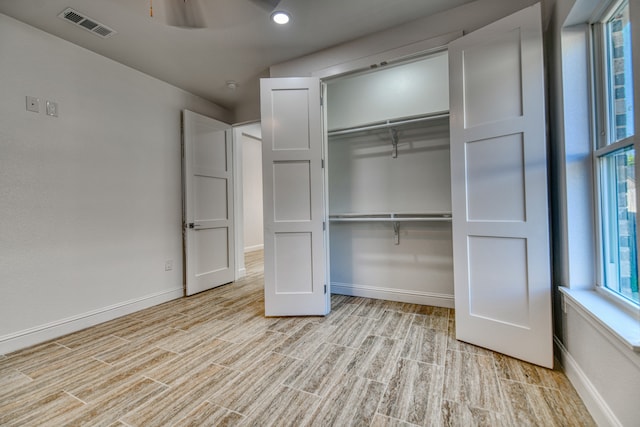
(395, 219)
(391, 217)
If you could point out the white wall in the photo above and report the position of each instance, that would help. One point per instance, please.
(411, 89)
(364, 178)
(466, 18)
(252, 190)
(248, 108)
(243, 135)
(91, 200)
(605, 372)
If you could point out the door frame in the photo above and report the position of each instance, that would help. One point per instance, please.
(391, 56)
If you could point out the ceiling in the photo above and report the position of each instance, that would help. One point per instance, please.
(239, 42)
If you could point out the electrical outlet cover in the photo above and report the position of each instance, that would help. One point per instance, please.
(33, 104)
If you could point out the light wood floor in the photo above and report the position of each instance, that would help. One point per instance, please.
(214, 359)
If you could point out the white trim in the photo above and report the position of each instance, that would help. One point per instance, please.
(248, 122)
(389, 294)
(248, 135)
(394, 55)
(254, 248)
(597, 406)
(238, 212)
(41, 333)
(614, 323)
(611, 9)
(620, 301)
(614, 146)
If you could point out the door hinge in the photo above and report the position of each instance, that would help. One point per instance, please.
(322, 163)
(321, 101)
(324, 226)
(325, 289)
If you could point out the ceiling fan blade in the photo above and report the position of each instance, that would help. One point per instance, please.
(268, 5)
(184, 14)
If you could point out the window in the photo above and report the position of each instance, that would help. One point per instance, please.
(615, 154)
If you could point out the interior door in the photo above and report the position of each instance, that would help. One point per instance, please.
(208, 203)
(293, 182)
(499, 189)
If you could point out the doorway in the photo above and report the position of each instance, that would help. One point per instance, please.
(248, 190)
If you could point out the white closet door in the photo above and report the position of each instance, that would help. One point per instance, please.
(294, 255)
(499, 189)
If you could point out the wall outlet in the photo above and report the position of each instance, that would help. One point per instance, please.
(33, 104)
(168, 265)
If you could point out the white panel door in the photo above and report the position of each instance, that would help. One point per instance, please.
(293, 181)
(499, 189)
(208, 203)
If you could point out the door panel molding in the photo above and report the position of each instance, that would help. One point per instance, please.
(294, 201)
(502, 274)
(208, 203)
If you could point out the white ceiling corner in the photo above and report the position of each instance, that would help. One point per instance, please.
(239, 42)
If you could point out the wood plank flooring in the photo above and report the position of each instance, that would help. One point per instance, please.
(214, 359)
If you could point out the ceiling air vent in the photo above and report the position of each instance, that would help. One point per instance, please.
(87, 23)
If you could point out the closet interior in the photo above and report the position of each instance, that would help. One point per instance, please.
(389, 183)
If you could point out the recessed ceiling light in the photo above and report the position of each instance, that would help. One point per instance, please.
(280, 17)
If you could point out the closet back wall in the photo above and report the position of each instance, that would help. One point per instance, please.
(365, 179)
(394, 91)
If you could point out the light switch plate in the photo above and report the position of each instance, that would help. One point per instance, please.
(52, 108)
(33, 104)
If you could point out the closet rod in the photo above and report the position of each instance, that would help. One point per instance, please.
(390, 218)
(387, 124)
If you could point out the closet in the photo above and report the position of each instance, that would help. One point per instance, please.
(428, 184)
(389, 183)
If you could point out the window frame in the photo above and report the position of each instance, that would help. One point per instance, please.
(601, 145)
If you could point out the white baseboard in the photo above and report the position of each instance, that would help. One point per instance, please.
(399, 295)
(253, 248)
(598, 408)
(38, 334)
(241, 272)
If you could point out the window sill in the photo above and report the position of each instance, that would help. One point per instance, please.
(606, 314)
